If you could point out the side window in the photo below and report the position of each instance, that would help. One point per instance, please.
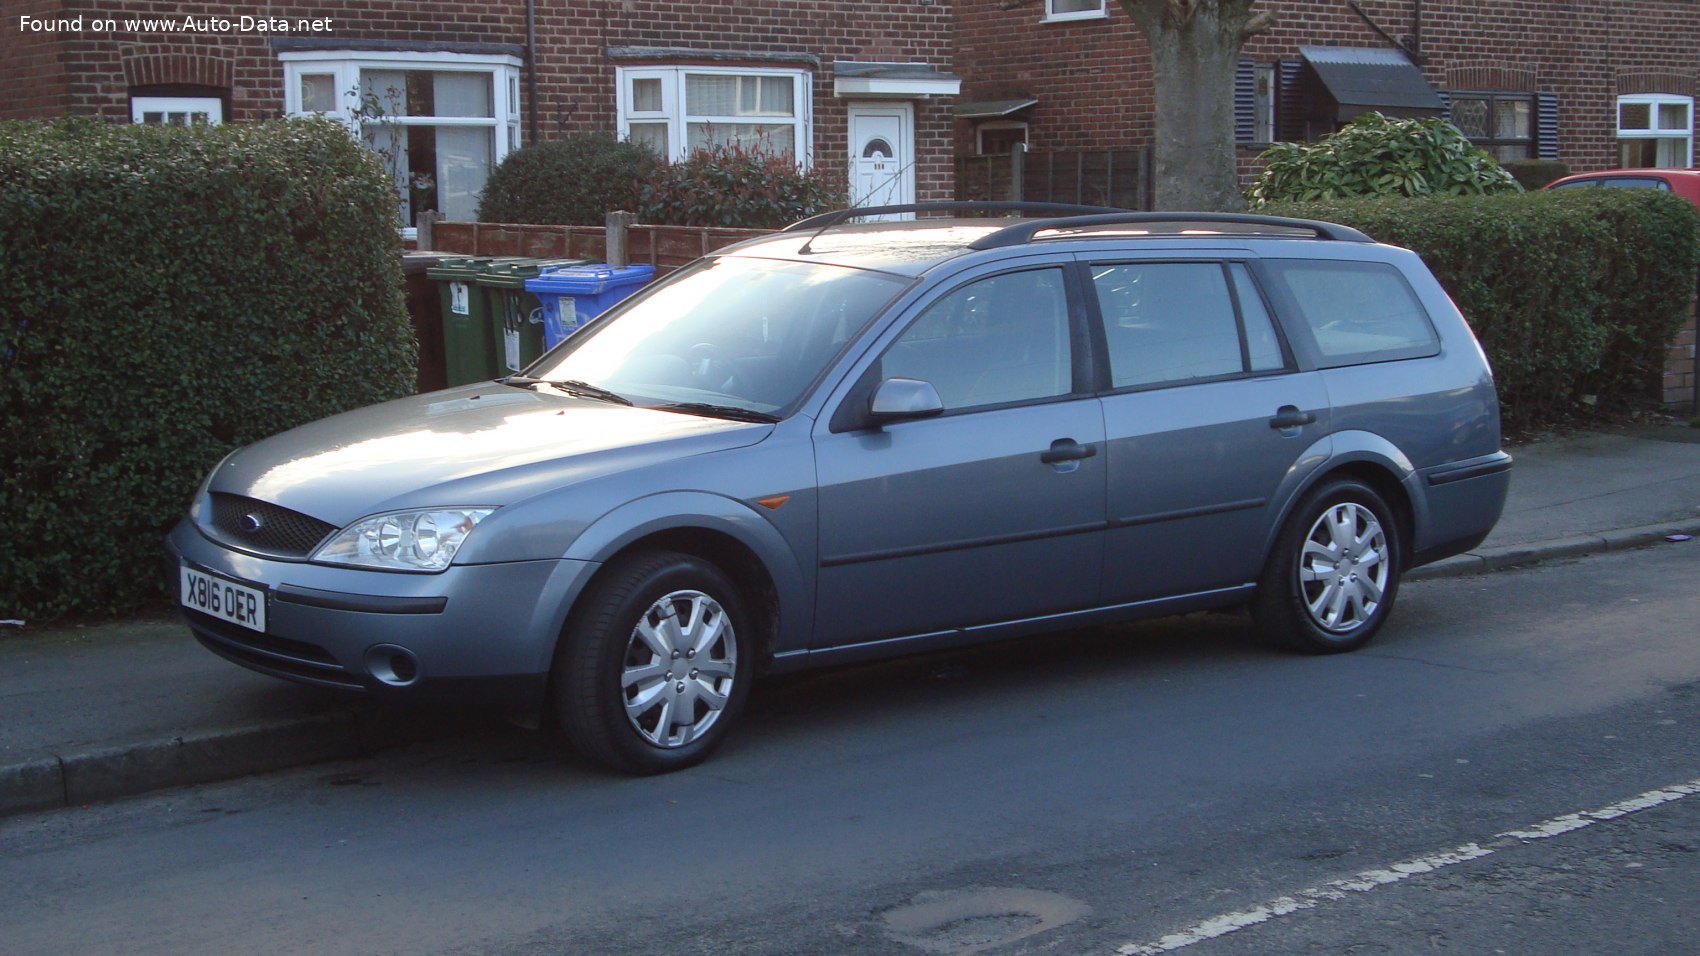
(998, 340)
(1168, 322)
(1357, 312)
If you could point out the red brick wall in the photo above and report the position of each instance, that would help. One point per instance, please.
(32, 71)
(575, 75)
(1090, 76)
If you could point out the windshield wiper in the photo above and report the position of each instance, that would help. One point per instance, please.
(732, 412)
(570, 386)
(573, 386)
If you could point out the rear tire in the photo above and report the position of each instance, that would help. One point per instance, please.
(1330, 582)
(655, 664)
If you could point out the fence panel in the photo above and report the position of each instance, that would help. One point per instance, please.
(1119, 178)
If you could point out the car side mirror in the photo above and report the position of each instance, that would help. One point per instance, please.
(903, 399)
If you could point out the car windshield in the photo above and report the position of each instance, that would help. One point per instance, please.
(735, 333)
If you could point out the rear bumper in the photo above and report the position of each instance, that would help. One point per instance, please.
(1463, 501)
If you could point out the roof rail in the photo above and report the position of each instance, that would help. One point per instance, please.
(827, 220)
(1023, 232)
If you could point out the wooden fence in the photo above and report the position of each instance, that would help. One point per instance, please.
(664, 247)
(1120, 178)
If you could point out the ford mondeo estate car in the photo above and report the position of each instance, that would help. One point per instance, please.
(853, 439)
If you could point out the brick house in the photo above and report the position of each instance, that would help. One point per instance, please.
(1592, 83)
(863, 88)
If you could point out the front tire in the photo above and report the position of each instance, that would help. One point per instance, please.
(1331, 580)
(655, 665)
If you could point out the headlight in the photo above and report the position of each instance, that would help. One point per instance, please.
(403, 540)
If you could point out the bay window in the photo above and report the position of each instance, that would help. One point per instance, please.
(439, 121)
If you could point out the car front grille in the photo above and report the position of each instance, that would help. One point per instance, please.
(266, 528)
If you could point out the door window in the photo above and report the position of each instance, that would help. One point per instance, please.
(996, 341)
(1167, 322)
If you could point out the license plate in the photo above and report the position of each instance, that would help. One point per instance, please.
(225, 599)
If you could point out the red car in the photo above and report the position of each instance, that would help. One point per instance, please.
(1683, 182)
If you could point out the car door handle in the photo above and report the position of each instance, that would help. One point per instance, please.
(1067, 449)
(1289, 416)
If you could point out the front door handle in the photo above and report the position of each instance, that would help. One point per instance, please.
(1289, 416)
(1067, 449)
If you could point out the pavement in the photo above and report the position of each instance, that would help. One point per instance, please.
(96, 712)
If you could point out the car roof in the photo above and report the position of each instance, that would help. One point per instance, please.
(913, 246)
(1682, 182)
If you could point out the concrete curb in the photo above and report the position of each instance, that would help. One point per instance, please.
(47, 781)
(1494, 559)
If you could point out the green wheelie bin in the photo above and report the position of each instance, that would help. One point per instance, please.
(516, 314)
(469, 351)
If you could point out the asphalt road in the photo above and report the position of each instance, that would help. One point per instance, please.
(1163, 788)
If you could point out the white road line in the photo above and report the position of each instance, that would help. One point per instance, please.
(1373, 879)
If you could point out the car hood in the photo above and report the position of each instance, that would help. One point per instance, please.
(476, 445)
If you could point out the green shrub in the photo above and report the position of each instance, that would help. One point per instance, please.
(1572, 292)
(734, 186)
(1532, 174)
(1377, 156)
(172, 293)
(575, 181)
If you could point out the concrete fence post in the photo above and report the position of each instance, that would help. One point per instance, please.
(618, 238)
(427, 220)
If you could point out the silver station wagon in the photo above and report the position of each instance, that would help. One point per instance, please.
(854, 439)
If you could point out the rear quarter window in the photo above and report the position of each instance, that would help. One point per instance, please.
(1356, 312)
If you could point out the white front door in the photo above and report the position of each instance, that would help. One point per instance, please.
(882, 154)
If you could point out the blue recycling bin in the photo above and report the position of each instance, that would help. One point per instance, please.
(573, 295)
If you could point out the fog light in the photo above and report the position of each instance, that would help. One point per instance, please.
(392, 665)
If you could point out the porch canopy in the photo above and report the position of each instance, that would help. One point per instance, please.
(1362, 80)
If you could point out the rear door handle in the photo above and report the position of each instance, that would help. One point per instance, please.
(1067, 449)
(1289, 416)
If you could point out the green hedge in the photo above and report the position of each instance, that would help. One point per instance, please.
(735, 186)
(1532, 174)
(172, 293)
(574, 181)
(1572, 292)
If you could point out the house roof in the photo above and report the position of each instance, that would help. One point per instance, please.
(1370, 78)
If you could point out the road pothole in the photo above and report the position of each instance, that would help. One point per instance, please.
(958, 922)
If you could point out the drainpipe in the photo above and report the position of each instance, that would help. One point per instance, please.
(531, 71)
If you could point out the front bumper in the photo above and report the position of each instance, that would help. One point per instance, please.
(471, 631)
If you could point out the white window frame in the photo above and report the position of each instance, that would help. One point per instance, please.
(211, 106)
(1653, 101)
(1052, 16)
(673, 105)
(346, 67)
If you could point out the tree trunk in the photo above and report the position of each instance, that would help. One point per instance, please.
(1195, 49)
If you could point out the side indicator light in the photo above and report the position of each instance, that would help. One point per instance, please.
(774, 502)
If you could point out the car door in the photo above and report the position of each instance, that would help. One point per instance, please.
(993, 510)
(1204, 416)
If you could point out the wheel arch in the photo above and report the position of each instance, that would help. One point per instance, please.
(722, 531)
(1368, 458)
